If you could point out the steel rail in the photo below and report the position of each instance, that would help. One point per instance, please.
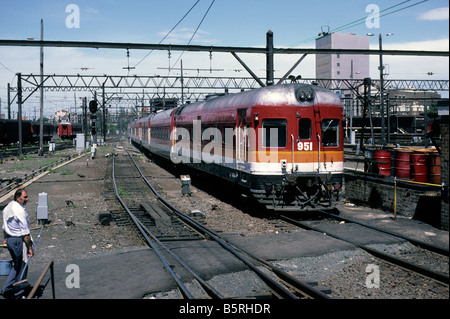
(427, 246)
(415, 268)
(225, 243)
(207, 287)
(185, 292)
(278, 289)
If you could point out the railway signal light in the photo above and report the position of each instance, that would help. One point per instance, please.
(93, 105)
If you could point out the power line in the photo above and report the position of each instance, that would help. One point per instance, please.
(169, 32)
(356, 22)
(4, 66)
(363, 20)
(204, 16)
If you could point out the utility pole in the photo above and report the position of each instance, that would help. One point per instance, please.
(381, 91)
(9, 101)
(269, 57)
(19, 105)
(41, 119)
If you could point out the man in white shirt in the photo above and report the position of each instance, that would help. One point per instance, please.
(16, 231)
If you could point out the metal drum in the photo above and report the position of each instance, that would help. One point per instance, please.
(402, 165)
(383, 156)
(419, 171)
(434, 176)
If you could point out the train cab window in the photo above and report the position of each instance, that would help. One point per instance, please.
(274, 133)
(330, 132)
(304, 129)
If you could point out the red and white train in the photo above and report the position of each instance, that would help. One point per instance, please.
(282, 144)
(68, 130)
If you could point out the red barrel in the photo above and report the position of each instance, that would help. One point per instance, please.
(402, 165)
(419, 170)
(434, 176)
(383, 156)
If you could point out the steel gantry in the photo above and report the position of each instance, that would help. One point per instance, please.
(195, 88)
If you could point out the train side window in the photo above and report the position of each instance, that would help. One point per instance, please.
(274, 133)
(330, 132)
(304, 129)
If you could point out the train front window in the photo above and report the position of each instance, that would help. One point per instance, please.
(304, 129)
(274, 133)
(330, 132)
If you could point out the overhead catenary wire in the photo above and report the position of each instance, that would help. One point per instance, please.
(168, 33)
(351, 24)
(195, 32)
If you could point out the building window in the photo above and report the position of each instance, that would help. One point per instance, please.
(338, 64)
(338, 72)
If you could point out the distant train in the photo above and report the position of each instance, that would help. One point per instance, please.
(9, 132)
(68, 130)
(281, 144)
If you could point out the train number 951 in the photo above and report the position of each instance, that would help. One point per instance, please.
(305, 146)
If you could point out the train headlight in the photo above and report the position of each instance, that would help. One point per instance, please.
(303, 95)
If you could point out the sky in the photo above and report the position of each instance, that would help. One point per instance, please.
(415, 25)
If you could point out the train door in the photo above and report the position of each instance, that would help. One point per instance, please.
(241, 139)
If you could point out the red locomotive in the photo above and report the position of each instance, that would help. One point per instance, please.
(68, 130)
(283, 144)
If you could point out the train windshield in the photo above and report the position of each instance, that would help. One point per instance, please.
(274, 133)
(330, 132)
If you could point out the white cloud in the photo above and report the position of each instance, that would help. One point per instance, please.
(183, 35)
(435, 14)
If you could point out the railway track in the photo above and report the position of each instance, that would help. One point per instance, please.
(419, 263)
(12, 184)
(158, 222)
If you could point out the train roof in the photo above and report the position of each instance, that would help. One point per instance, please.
(296, 94)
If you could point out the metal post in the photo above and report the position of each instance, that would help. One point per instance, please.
(388, 116)
(9, 101)
(425, 129)
(85, 122)
(269, 57)
(381, 91)
(182, 83)
(104, 112)
(41, 119)
(19, 104)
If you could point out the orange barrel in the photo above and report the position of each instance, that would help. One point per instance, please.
(383, 156)
(434, 176)
(419, 172)
(402, 166)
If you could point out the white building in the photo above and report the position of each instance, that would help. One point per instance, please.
(342, 66)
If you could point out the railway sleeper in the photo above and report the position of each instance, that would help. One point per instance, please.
(160, 217)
